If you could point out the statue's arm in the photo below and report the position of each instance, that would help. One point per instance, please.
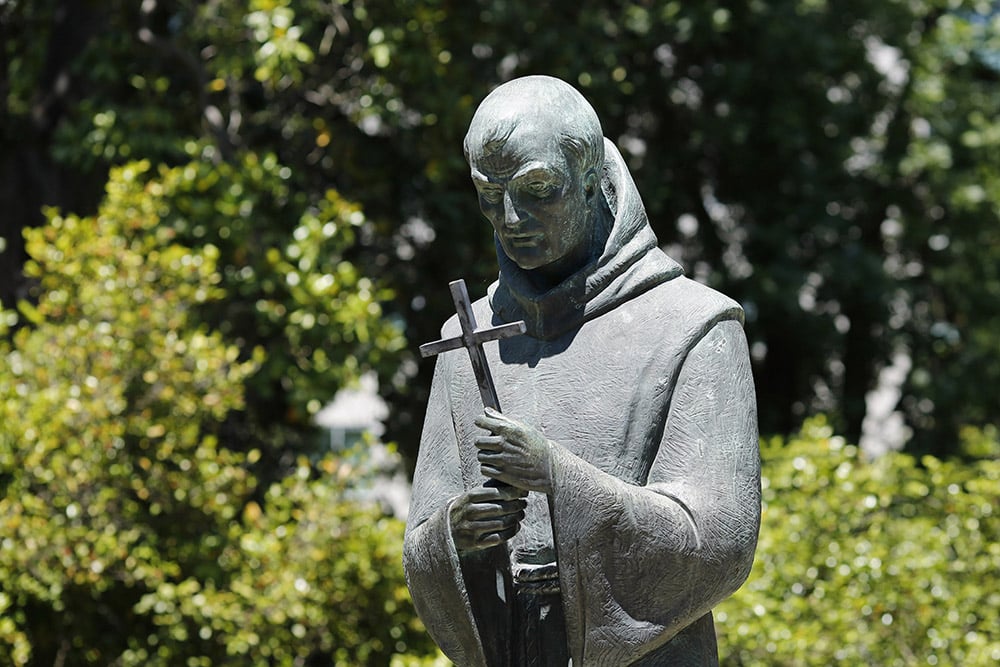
(641, 563)
(709, 461)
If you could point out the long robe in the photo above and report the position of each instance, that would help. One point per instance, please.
(643, 378)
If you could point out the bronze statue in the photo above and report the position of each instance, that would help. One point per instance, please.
(616, 499)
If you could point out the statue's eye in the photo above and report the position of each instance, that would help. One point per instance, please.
(540, 188)
(492, 195)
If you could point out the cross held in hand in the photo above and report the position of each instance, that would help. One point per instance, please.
(472, 339)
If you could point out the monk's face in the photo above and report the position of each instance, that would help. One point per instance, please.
(536, 199)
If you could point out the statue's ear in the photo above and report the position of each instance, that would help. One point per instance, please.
(590, 183)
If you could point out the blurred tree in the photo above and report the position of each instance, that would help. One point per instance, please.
(770, 141)
(131, 533)
(946, 236)
(780, 147)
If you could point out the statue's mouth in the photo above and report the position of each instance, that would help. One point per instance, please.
(525, 239)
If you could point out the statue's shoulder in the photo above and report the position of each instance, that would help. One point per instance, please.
(691, 301)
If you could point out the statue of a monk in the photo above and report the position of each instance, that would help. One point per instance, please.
(622, 480)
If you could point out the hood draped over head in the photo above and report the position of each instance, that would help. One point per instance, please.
(630, 264)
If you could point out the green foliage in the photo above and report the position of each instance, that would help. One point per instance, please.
(310, 576)
(886, 562)
(130, 533)
(290, 287)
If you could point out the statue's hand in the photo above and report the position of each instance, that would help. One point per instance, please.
(516, 453)
(486, 517)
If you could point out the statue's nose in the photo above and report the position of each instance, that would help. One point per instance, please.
(510, 216)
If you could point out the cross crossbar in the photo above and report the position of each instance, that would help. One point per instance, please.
(472, 339)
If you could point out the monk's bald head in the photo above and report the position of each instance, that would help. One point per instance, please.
(540, 106)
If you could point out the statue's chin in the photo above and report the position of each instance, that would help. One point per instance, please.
(536, 268)
(527, 261)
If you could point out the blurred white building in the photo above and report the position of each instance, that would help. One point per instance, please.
(354, 417)
(353, 412)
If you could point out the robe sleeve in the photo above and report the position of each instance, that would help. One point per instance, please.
(430, 559)
(639, 564)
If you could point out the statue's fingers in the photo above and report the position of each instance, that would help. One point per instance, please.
(493, 459)
(498, 523)
(487, 541)
(502, 457)
(515, 507)
(500, 474)
(494, 517)
(512, 431)
(493, 491)
(490, 423)
(504, 491)
(489, 493)
(491, 471)
(508, 533)
(492, 443)
(496, 539)
(504, 461)
(498, 423)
